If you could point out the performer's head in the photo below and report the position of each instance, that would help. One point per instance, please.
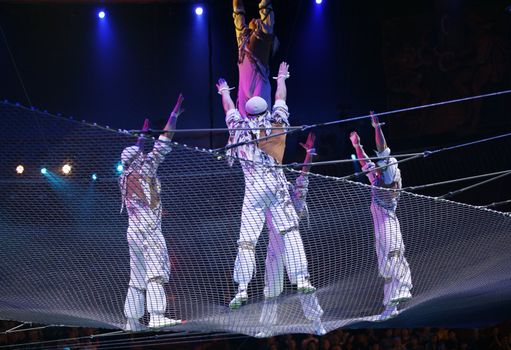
(256, 107)
(131, 156)
(388, 174)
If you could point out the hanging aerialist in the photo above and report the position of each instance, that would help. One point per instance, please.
(385, 176)
(149, 260)
(265, 185)
(256, 42)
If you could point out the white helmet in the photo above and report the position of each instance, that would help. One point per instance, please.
(256, 105)
(129, 154)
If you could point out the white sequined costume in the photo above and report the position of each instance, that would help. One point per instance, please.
(389, 245)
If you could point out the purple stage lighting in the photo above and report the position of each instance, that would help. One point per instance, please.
(319, 2)
(199, 10)
(101, 14)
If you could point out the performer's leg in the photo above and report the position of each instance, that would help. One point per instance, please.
(273, 278)
(156, 299)
(310, 305)
(268, 317)
(157, 304)
(392, 264)
(158, 272)
(274, 264)
(252, 222)
(135, 298)
(156, 256)
(134, 309)
(313, 311)
(286, 221)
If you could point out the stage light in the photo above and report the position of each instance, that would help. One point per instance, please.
(354, 157)
(119, 168)
(319, 2)
(44, 171)
(20, 169)
(94, 177)
(101, 14)
(66, 169)
(199, 10)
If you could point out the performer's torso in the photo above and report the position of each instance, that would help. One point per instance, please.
(385, 196)
(275, 146)
(143, 201)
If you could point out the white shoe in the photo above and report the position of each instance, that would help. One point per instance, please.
(239, 299)
(389, 312)
(159, 321)
(304, 286)
(133, 325)
(318, 327)
(400, 295)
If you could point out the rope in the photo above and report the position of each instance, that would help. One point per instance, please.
(453, 193)
(307, 127)
(352, 176)
(22, 83)
(471, 143)
(428, 153)
(15, 67)
(419, 187)
(496, 204)
(338, 161)
(134, 131)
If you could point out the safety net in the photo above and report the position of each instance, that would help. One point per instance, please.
(65, 256)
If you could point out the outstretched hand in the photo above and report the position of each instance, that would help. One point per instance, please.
(309, 144)
(222, 85)
(284, 71)
(375, 122)
(144, 131)
(355, 139)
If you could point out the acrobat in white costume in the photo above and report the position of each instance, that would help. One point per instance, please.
(265, 186)
(276, 262)
(385, 176)
(149, 260)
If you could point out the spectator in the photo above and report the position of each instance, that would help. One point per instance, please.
(434, 343)
(309, 339)
(451, 342)
(414, 344)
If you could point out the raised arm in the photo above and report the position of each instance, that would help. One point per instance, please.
(300, 188)
(172, 121)
(267, 16)
(281, 93)
(311, 151)
(145, 128)
(379, 138)
(355, 141)
(225, 92)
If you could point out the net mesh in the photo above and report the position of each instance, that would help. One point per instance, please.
(64, 257)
